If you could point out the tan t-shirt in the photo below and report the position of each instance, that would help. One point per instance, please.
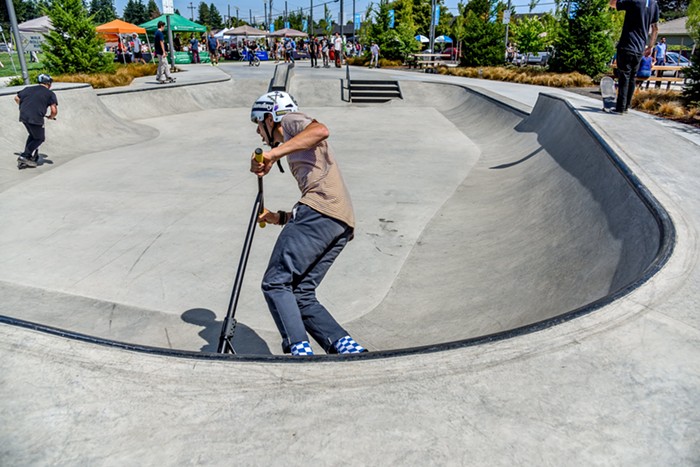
(317, 174)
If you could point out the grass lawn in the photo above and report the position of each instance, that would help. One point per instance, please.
(9, 71)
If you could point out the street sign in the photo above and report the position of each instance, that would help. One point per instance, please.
(168, 7)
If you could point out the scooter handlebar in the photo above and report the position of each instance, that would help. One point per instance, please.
(258, 155)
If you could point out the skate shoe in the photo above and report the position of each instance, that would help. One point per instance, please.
(26, 161)
(347, 345)
(301, 348)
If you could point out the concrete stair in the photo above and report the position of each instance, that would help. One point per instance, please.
(374, 91)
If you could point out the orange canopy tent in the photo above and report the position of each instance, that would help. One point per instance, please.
(119, 27)
(115, 28)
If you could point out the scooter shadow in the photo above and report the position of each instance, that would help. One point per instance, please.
(245, 340)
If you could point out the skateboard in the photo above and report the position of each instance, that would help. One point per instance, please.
(607, 91)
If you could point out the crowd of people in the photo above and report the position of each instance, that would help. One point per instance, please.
(321, 51)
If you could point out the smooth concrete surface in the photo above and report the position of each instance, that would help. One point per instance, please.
(474, 217)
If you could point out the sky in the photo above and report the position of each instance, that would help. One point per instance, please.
(278, 6)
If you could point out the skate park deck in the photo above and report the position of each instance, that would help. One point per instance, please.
(483, 208)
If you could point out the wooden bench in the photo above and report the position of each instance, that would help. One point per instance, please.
(659, 79)
(657, 76)
(430, 62)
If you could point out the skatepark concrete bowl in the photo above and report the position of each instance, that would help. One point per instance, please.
(476, 220)
(485, 210)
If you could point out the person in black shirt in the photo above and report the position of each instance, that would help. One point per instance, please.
(163, 67)
(641, 16)
(33, 102)
(313, 52)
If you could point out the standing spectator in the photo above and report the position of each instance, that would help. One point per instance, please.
(194, 48)
(660, 52)
(137, 49)
(510, 53)
(177, 45)
(163, 67)
(660, 57)
(313, 233)
(289, 47)
(641, 16)
(325, 52)
(338, 50)
(375, 55)
(213, 44)
(280, 50)
(33, 102)
(313, 52)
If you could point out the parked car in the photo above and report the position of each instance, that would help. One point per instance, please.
(674, 59)
(4, 47)
(537, 58)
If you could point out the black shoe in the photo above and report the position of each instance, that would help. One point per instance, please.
(26, 160)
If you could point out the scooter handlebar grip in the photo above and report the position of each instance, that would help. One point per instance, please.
(258, 154)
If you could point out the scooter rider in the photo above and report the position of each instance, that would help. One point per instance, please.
(33, 102)
(314, 232)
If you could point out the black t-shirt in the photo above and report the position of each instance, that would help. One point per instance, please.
(159, 39)
(33, 102)
(639, 16)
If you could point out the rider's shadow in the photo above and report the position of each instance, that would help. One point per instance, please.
(245, 340)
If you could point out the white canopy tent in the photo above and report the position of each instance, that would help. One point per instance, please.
(40, 25)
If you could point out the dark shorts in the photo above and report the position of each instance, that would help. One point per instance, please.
(138, 54)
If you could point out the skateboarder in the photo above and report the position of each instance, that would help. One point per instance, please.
(314, 232)
(163, 73)
(33, 102)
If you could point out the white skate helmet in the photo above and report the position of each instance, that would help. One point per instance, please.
(44, 79)
(277, 103)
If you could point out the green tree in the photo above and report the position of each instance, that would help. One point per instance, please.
(24, 9)
(153, 10)
(102, 11)
(691, 92)
(584, 40)
(203, 13)
(421, 12)
(135, 12)
(215, 19)
(672, 9)
(73, 46)
(484, 33)
(529, 34)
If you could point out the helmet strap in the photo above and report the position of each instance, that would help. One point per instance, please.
(273, 143)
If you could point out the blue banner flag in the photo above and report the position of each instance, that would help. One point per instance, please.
(286, 24)
(436, 21)
(305, 25)
(391, 19)
(358, 23)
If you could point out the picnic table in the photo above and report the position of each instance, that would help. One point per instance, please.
(657, 76)
(429, 61)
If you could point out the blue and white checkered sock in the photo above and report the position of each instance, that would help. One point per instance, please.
(301, 348)
(347, 344)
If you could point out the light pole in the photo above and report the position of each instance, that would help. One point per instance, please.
(432, 26)
(191, 7)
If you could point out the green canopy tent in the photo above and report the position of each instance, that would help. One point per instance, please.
(177, 24)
